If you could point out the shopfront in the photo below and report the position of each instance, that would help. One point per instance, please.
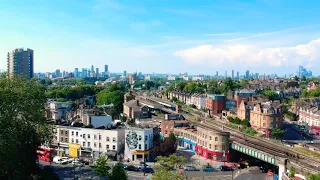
(212, 155)
(74, 150)
(188, 144)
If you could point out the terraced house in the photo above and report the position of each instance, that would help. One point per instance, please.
(310, 116)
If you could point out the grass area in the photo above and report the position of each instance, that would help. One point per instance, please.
(235, 127)
(307, 152)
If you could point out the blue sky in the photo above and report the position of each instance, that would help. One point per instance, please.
(167, 36)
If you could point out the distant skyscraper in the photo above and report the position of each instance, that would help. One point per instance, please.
(217, 74)
(20, 61)
(76, 72)
(232, 74)
(92, 68)
(58, 73)
(97, 72)
(84, 73)
(247, 74)
(237, 74)
(106, 68)
(125, 73)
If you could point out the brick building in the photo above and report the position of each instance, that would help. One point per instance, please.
(215, 104)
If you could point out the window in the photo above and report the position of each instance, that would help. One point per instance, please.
(210, 146)
(88, 136)
(140, 137)
(84, 136)
(107, 146)
(108, 139)
(99, 137)
(276, 118)
(145, 146)
(276, 125)
(94, 144)
(113, 139)
(271, 119)
(84, 144)
(100, 145)
(264, 124)
(72, 133)
(77, 142)
(77, 134)
(210, 138)
(146, 138)
(66, 132)
(166, 132)
(114, 147)
(61, 132)
(215, 147)
(65, 139)
(89, 144)
(94, 136)
(271, 126)
(216, 139)
(72, 140)
(171, 127)
(167, 126)
(61, 139)
(139, 146)
(223, 139)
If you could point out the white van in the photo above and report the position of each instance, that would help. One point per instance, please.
(57, 160)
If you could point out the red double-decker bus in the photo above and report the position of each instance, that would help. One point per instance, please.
(45, 153)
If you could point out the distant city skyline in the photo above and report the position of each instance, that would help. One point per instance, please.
(199, 37)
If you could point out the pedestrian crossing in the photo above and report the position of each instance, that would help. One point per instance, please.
(217, 177)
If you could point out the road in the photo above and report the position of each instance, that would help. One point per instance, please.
(252, 176)
(68, 172)
(291, 133)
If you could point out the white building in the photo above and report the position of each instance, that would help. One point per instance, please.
(139, 144)
(59, 109)
(199, 100)
(171, 78)
(91, 141)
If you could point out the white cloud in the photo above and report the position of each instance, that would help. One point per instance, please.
(250, 55)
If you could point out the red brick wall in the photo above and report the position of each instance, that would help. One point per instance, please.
(164, 127)
(215, 106)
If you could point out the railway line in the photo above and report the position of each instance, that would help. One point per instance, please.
(298, 159)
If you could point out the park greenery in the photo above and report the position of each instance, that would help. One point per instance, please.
(112, 95)
(313, 177)
(23, 128)
(72, 92)
(212, 86)
(70, 82)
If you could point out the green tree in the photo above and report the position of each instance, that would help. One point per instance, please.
(172, 137)
(244, 83)
(245, 123)
(112, 95)
(277, 133)
(296, 78)
(314, 177)
(304, 78)
(163, 173)
(118, 173)
(292, 172)
(227, 85)
(172, 161)
(180, 85)
(272, 95)
(102, 168)
(23, 126)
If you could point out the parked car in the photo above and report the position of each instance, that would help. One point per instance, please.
(60, 160)
(120, 164)
(85, 162)
(226, 168)
(69, 160)
(132, 168)
(147, 170)
(263, 169)
(209, 169)
(190, 168)
(77, 163)
(143, 165)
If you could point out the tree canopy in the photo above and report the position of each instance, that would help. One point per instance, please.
(112, 95)
(23, 126)
(277, 133)
(101, 167)
(73, 93)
